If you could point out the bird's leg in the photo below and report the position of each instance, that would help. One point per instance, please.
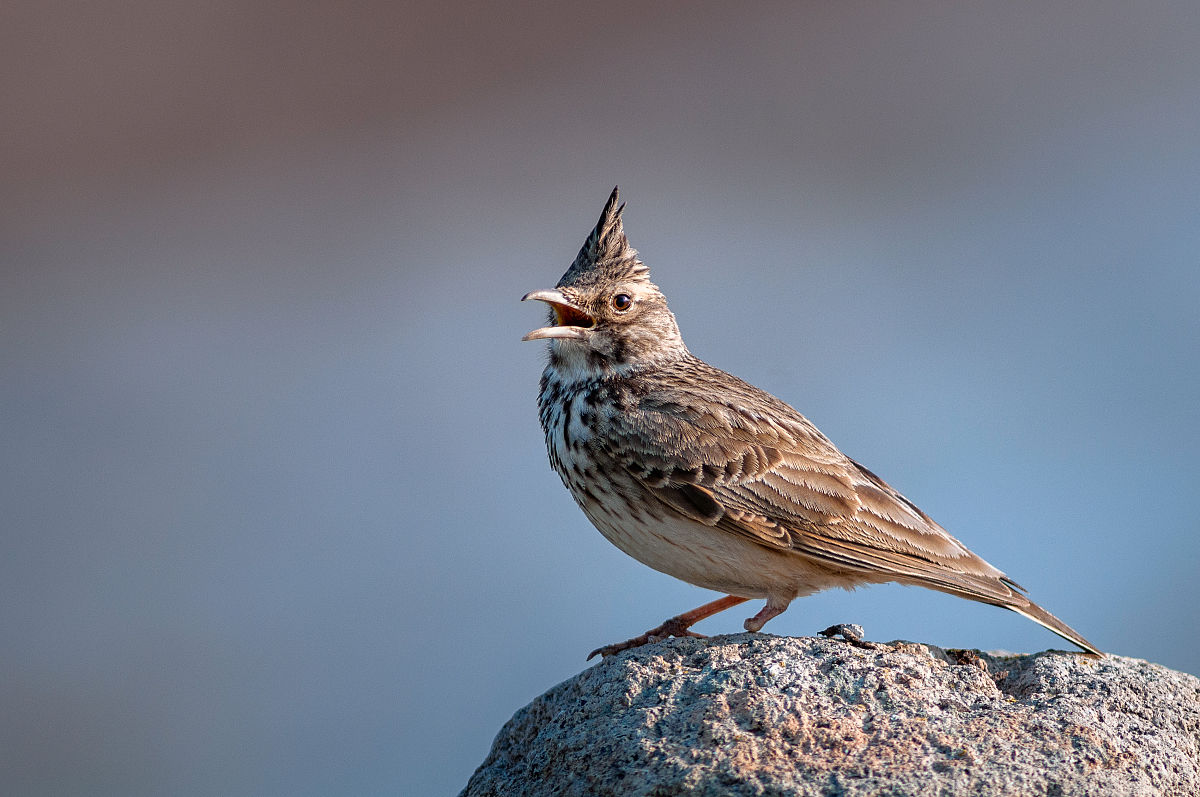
(676, 626)
(773, 608)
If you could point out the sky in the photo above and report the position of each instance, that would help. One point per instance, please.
(278, 518)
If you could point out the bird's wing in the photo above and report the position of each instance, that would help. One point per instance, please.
(751, 465)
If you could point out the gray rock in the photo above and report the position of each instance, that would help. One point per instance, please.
(754, 714)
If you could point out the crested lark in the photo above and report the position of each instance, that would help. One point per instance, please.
(706, 478)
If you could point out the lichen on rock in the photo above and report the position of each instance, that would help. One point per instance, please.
(754, 714)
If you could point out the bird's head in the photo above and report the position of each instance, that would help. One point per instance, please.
(606, 315)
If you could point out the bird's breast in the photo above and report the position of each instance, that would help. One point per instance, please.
(620, 507)
(568, 419)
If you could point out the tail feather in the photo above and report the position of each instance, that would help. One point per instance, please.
(1007, 594)
(1043, 618)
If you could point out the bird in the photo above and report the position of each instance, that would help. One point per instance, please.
(704, 477)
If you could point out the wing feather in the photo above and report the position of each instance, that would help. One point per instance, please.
(742, 461)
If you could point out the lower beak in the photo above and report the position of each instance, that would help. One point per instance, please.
(570, 322)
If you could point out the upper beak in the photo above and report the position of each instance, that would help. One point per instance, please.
(570, 321)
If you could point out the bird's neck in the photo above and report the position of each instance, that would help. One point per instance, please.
(571, 363)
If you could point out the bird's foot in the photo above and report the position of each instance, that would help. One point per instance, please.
(850, 632)
(676, 626)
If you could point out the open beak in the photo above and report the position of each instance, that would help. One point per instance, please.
(570, 322)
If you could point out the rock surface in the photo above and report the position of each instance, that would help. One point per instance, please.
(754, 714)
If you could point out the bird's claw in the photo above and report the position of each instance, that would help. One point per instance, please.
(673, 627)
(851, 632)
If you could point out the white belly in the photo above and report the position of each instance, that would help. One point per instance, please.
(711, 558)
(660, 538)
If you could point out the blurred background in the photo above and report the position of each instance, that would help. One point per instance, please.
(277, 516)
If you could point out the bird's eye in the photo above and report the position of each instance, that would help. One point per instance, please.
(622, 302)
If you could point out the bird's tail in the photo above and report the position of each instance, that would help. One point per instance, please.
(1027, 608)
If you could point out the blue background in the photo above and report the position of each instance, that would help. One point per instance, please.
(277, 517)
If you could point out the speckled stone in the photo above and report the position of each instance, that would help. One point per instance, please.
(754, 714)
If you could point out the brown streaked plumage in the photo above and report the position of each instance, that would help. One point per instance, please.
(706, 478)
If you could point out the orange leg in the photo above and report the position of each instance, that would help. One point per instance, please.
(774, 608)
(676, 626)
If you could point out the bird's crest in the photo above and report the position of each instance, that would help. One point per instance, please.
(606, 255)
